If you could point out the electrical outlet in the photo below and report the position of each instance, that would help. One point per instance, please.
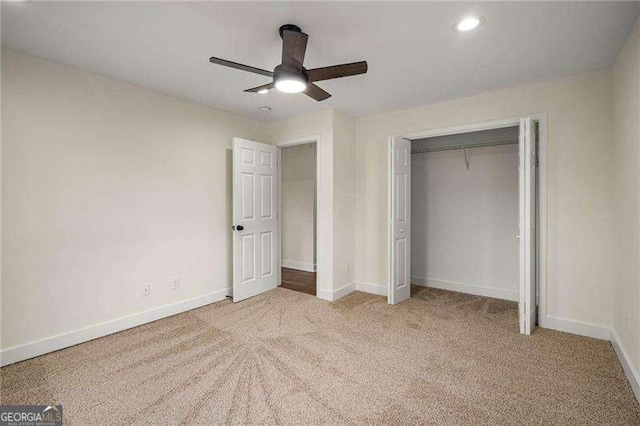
(175, 283)
(346, 268)
(146, 290)
(628, 323)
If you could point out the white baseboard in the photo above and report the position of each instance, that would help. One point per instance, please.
(466, 288)
(575, 327)
(380, 290)
(71, 338)
(324, 294)
(336, 294)
(629, 370)
(300, 266)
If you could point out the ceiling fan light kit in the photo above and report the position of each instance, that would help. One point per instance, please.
(290, 80)
(291, 76)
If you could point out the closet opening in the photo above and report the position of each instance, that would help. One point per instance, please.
(298, 217)
(464, 217)
(464, 214)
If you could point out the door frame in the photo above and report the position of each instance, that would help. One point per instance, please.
(319, 239)
(541, 213)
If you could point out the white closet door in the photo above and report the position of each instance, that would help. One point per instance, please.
(527, 195)
(255, 218)
(400, 228)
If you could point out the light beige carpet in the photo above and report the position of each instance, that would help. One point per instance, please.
(286, 357)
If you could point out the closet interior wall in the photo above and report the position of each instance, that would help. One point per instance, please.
(465, 212)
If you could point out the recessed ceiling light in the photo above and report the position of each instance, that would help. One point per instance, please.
(263, 91)
(468, 23)
(264, 109)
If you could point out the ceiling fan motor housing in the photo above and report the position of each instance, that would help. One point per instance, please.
(282, 72)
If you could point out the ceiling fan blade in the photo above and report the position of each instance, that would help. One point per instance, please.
(316, 93)
(294, 45)
(263, 87)
(337, 71)
(238, 66)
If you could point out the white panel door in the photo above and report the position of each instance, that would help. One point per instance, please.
(400, 228)
(255, 218)
(527, 195)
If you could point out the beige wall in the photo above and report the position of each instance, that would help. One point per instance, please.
(579, 184)
(626, 205)
(298, 195)
(344, 200)
(106, 186)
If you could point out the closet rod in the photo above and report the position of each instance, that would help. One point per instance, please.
(455, 147)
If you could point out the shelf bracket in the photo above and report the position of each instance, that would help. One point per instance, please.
(466, 159)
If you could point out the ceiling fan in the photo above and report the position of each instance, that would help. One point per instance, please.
(290, 76)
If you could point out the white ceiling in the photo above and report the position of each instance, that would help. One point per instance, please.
(414, 56)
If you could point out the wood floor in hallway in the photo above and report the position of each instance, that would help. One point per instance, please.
(302, 281)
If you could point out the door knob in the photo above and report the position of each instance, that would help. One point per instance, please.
(239, 228)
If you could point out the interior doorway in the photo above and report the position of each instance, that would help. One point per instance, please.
(464, 216)
(298, 208)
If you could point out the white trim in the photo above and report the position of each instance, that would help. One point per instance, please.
(279, 248)
(465, 128)
(300, 266)
(632, 374)
(380, 290)
(71, 338)
(390, 239)
(533, 317)
(468, 288)
(299, 141)
(541, 214)
(575, 327)
(336, 294)
(320, 293)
